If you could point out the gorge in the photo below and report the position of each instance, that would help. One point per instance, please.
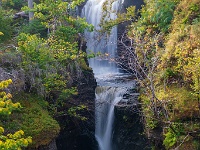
(131, 84)
(112, 83)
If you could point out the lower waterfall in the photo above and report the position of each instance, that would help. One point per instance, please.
(106, 98)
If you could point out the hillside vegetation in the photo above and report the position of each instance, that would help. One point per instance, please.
(165, 57)
(44, 57)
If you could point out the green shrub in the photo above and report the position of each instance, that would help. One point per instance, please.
(170, 139)
(35, 27)
(5, 25)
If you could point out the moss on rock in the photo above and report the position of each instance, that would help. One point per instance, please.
(34, 120)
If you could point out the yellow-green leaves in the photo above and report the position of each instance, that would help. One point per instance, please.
(1, 130)
(6, 105)
(10, 141)
(76, 3)
(74, 112)
(14, 141)
(130, 12)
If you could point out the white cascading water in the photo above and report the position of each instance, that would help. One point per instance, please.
(92, 11)
(106, 96)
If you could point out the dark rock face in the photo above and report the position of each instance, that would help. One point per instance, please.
(136, 3)
(51, 146)
(128, 130)
(127, 3)
(121, 33)
(77, 134)
(128, 127)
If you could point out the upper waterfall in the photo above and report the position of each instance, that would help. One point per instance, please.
(106, 44)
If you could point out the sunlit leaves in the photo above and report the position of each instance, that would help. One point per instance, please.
(6, 105)
(10, 141)
(59, 13)
(54, 82)
(74, 111)
(75, 3)
(14, 141)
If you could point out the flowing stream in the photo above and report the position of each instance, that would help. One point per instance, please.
(105, 70)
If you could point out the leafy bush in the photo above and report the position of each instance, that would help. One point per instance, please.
(5, 25)
(170, 139)
(35, 27)
(14, 4)
(155, 15)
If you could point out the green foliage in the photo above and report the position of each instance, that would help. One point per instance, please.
(35, 27)
(50, 64)
(168, 31)
(155, 15)
(6, 105)
(151, 122)
(14, 141)
(170, 139)
(67, 33)
(54, 82)
(34, 119)
(42, 62)
(50, 61)
(65, 94)
(169, 73)
(181, 53)
(39, 124)
(75, 3)
(5, 25)
(13, 4)
(10, 141)
(173, 133)
(53, 14)
(73, 111)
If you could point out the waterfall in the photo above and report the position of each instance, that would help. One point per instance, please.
(106, 98)
(104, 44)
(103, 68)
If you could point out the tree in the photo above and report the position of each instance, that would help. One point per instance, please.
(30, 5)
(53, 63)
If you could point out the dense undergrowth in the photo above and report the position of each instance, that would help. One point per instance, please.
(43, 56)
(166, 45)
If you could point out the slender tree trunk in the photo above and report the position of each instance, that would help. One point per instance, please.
(31, 14)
